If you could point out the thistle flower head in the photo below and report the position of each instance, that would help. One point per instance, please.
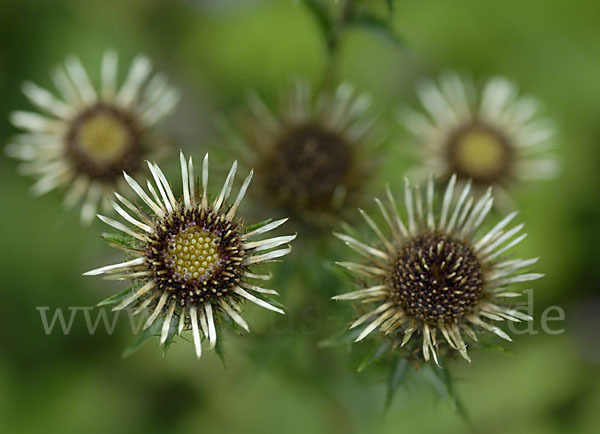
(433, 272)
(86, 137)
(191, 255)
(494, 137)
(309, 156)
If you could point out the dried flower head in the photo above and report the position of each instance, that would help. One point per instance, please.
(494, 139)
(86, 138)
(435, 273)
(191, 256)
(309, 156)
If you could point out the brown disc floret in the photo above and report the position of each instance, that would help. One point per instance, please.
(436, 278)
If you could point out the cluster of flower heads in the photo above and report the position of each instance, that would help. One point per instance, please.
(433, 274)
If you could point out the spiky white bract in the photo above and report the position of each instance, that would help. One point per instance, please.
(83, 138)
(191, 256)
(435, 271)
(493, 136)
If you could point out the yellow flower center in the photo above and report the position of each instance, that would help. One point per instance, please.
(196, 254)
(103, 141)
(479, 152)
(103, 136)
(192, 253)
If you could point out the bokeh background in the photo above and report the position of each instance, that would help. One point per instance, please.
(277, 379)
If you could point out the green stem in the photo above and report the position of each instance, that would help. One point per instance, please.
(333, 44)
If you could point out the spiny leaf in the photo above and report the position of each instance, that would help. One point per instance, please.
(219, 350)
(377, 353)
(121, 240)
(343, 337)
(396, 378)
(170, 336)
(115, 298)
(258, 225)
(448, 391)
(141, 339)
(441, 383)
(378, 26)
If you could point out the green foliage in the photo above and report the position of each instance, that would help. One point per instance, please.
(119, 240)
(376, 354)
(397, 374)
(333, 21)
(219, 349)
(116, 298)
(323, 19)
(171, 335)
(443, 383)
(256, 226)
(142, 339)
(378, 26)
(345, 337)
(390, 6)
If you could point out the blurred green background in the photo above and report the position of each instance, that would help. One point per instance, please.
(276, 380)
